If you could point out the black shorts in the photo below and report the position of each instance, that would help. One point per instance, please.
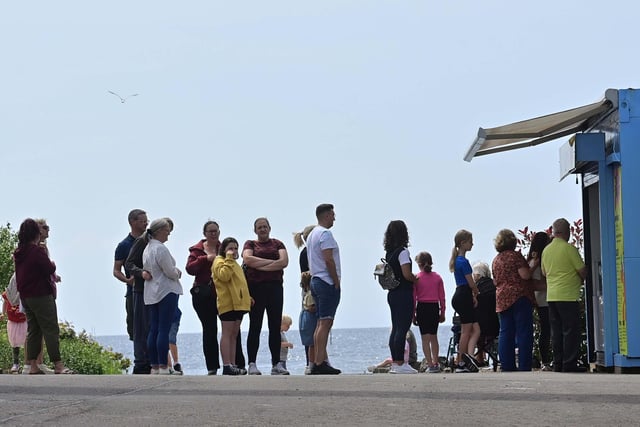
(462, 303)
(231, 316)
(428, 317)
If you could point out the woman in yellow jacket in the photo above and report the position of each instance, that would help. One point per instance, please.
(233, 301)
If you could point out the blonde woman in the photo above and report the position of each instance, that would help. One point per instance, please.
(464, 301)
(161, 293)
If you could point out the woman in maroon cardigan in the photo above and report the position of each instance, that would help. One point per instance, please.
(203, 293)
(34, 270)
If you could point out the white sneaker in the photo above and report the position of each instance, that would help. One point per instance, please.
(26, 369)
(405, 368)
(154, 371)
(15, 368)
(278, 369)
(164, 371)
(307, 370)
(253, 369)
(47, 370)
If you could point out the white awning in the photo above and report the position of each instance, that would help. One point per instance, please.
(532, 132)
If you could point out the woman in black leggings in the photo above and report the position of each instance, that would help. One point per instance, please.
(203, 296)
(265, 260)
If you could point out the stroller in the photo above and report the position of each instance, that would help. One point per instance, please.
(489, 323)
(449, 362)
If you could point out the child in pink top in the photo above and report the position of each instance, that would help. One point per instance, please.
(429, 301)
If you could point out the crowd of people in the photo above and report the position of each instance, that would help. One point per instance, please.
(549, 281)
(226, 290)
(29, 302)
(490, 302)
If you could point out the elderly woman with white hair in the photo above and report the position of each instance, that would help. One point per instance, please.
(160, 293)
(486, 309)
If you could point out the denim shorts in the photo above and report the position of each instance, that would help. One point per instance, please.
(327, 298)
(307, 327)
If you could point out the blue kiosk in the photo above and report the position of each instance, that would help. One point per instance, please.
(603, 148)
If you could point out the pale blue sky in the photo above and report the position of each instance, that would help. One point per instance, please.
(255, 108)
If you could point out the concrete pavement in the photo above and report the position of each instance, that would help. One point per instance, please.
(486, 398)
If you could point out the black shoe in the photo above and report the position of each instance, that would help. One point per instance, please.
(142, 370)
(470, 362)
(324, 369)
(230, 370)
(178, 369)
(461, 369)
(575, 369)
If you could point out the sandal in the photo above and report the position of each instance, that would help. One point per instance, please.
(66, 371)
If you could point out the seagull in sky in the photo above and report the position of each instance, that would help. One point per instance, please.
(122, 100)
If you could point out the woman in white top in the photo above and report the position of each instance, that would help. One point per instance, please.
(400, 299)
(160, 293)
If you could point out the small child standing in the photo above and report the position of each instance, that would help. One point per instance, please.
(429, 300)
(16, 323)
(285, 345)
(172, 357)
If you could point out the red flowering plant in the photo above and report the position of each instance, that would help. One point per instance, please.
(576, 239)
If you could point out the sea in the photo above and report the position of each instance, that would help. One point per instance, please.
(351, 350)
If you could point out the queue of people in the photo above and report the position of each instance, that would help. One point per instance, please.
(225, 289)
(549, 280)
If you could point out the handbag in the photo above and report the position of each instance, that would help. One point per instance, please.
(385, 276)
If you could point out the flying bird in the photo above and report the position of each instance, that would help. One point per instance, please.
(122, 100)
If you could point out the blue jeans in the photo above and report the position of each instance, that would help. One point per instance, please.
(401, 304)
(516, 329)
(161, 316)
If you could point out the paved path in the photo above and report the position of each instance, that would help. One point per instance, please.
(494, 399)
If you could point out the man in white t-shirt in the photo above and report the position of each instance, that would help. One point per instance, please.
(324, 264)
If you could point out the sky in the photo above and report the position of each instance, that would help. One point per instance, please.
(251, 108)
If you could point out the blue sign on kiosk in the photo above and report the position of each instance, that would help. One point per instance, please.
(603, 136)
